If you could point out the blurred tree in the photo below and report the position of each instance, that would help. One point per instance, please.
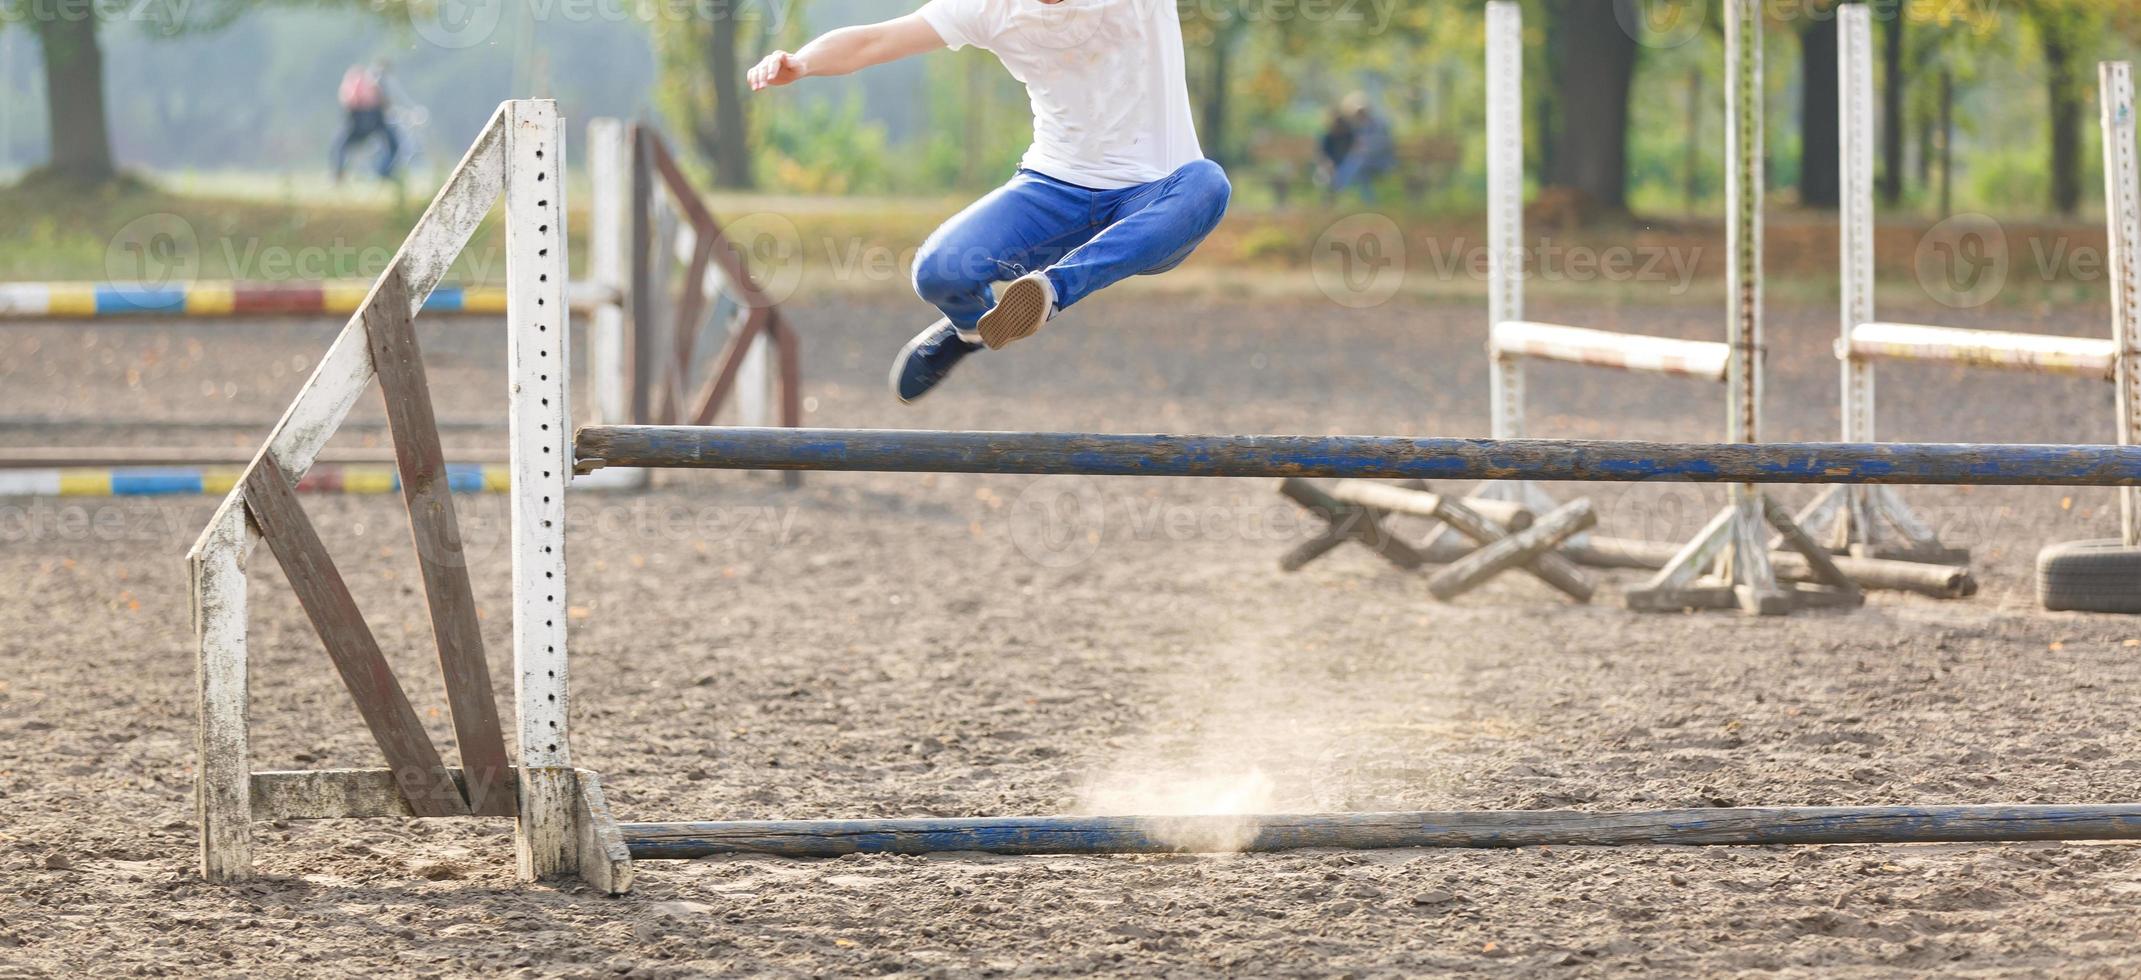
(1594, 62)
(81, 148)
(702, 88)
(2063, 28)
(1820, 183)
(1213, 32)
(1891, 15)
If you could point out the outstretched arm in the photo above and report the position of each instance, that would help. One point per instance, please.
(848, 50)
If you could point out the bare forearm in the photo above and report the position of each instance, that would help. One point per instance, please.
(848, 50)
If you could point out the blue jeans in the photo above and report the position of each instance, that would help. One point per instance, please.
(1086, 240)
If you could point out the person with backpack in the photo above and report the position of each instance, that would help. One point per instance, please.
(363, 95)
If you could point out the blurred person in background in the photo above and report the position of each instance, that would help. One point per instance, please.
(364, 99)
(1357, 148)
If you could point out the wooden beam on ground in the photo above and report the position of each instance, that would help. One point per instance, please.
(418, 770)
(1421, 502)
(1482, 828)
(1521, 549)
(1936, 581)
(436, 533)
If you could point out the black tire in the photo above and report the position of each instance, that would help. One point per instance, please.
(2090, 576)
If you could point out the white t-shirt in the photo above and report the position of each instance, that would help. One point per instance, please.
(1110, 105)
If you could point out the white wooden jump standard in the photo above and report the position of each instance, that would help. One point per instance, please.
(1875, 521)
(1723, 565)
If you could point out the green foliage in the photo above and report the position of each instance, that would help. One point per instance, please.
(821, 147)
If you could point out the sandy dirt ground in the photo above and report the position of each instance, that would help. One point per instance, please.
(893, 645)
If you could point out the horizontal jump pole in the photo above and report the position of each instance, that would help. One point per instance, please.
(2087, 357)
(1481, 828)
(1703, 359)
(339, 297)
(1349, 457)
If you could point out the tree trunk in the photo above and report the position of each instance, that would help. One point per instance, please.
(2066, 112)
(1820, 183)
(1217, 124)
(1596, 65)
(732, 126)
(74, 98)
(1892, 82)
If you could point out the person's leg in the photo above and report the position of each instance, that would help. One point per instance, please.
(389, 151)
(339, 156)
(1150, 230)
(1024, 225)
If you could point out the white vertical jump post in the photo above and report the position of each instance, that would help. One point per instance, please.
(563, 825)
(1873, 520)
(1505, 205)
(1733, 549)
(536, 358)
(1727, 565)
(2122, 208)
(1870, 521)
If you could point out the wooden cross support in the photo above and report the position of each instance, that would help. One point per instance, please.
(1355, 509)
(1346, 522)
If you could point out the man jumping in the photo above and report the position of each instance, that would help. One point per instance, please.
(1115, 184)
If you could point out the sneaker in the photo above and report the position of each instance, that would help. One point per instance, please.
(927, 359)
(1028, 302)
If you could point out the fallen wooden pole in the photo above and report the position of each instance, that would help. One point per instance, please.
(1426, 503)
(1937, 581)
(1351, 457)
(1482, 828)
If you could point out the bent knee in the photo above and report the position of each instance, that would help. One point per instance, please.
(938, 278)
(1206, 183)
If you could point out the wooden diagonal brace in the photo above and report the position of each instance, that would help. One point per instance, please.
(399, 363)
(423, 778)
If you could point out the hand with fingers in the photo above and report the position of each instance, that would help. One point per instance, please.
(778, 68)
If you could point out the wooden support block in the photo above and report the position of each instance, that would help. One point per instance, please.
(418, 770)
(1517, 550)
(1357, 523)
(399, 363)
(600, 854)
